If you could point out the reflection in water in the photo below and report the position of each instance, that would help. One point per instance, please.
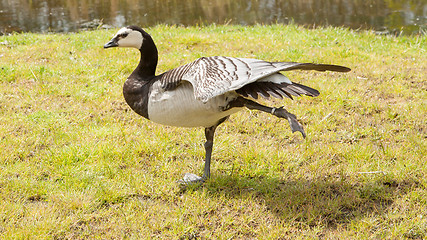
(68, 15)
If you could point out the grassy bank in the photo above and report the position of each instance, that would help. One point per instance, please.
(76, 163)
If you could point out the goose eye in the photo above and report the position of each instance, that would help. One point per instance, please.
(123, 35)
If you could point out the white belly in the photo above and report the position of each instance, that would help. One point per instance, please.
(180, 108)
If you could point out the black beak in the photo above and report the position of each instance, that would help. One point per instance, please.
(112, 43)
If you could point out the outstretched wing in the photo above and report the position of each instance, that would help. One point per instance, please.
(213, 76)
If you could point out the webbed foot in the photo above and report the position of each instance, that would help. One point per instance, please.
(292, 119)
(190, 178)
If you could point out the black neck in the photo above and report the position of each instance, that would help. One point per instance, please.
(146, 68)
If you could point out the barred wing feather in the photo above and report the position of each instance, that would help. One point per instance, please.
(213, 76)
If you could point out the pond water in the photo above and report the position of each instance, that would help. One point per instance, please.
(386, 16)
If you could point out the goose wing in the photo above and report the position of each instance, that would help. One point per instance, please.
(213, 76)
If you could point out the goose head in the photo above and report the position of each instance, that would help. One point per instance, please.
(135, 37)
(130, 36)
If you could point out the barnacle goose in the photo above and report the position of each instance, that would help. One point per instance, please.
(204, 93)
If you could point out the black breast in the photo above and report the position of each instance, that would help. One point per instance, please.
(136, 94)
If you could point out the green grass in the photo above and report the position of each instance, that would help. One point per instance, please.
(77, 163)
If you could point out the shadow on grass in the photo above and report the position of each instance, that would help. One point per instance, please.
(326, 202)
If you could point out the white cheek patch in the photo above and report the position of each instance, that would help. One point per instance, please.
(124, 30)
(133, 39)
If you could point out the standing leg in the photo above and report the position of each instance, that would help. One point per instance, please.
(209, 134)
(193, 178)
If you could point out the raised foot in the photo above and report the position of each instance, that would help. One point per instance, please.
(292, 119)
(190, 178)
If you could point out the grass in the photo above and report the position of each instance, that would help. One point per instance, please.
(76, 163)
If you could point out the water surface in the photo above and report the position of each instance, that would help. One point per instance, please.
(388, 16)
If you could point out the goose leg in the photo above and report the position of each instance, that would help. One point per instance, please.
(209, 134)
(190, 178)
(278, 112)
